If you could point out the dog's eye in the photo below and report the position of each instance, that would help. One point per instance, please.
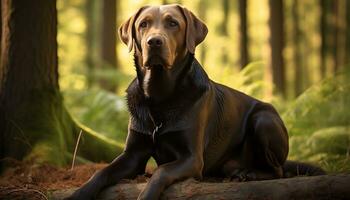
(143, 24)
(173, 23)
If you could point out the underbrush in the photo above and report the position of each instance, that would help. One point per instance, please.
(318, 120)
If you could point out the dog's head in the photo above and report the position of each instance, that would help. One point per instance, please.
(162, 35)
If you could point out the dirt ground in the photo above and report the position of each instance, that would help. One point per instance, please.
(24, 180)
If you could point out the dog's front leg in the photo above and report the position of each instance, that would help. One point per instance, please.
(167, 173)
(127, 165)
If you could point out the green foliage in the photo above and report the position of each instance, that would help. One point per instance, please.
(333, 140)
(45, 126)
(323, 105)
(249, 80)
(109, 77)
(318, 123)
(48, 133)
(100, 110)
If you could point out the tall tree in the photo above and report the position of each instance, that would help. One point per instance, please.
(333, 35)
(224, 26)
(89, 38)
(324, 41)
(0, 28)
(226, 12)
(335, 16)
(108, 36)
(202, 8)
(347, 43)
(108, 41)
(244, 40)
(276, 23)
(33, 118)
(297, 34)
(30, 102)
(340, 33)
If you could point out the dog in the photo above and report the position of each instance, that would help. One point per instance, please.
(190, 125)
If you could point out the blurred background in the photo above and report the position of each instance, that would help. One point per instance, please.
(291, 53)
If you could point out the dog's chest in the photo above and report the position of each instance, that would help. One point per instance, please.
(170, 146)
(159, 119)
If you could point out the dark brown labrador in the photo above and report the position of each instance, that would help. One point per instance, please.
(190, 125)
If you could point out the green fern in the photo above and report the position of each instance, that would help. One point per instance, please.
(102, 111)
(318, 124)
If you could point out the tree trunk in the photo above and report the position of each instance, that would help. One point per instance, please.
(224, 25)
(226, 10)
(108, 41)
(340, 37)
(298, 78)
(323, 32)
(317, 187)
(335, 37)
(89, 38)
(244, 40)
(109, 27)
(0, 29)
(276, 23)
(33, 120)
(335, 10)
(347, 43)
(31, 106)
(202, 8)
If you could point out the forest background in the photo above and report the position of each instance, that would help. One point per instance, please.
(291, 53)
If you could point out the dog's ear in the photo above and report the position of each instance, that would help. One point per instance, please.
(126, 30)
(196, 30)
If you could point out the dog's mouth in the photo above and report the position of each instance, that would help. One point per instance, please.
(155, 61)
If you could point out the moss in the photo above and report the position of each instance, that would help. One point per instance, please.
(43, 131)
(333, 140)
(318, 123)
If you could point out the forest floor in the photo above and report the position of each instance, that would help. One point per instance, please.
(24, 180)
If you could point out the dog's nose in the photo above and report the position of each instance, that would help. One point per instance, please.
(154, 41)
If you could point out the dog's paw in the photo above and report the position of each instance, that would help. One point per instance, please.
(149, 195)
(242, 175)
(79, 195)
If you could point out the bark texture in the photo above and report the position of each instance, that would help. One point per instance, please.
(109, 35)
(29, 77)
(244, 40)
(34, 123)
(298, 50)
(317, 187)
(276, 23)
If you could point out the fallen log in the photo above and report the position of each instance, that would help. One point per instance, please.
(316, 187)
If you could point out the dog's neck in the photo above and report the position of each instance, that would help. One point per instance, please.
(158, 83)
(190, 84)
